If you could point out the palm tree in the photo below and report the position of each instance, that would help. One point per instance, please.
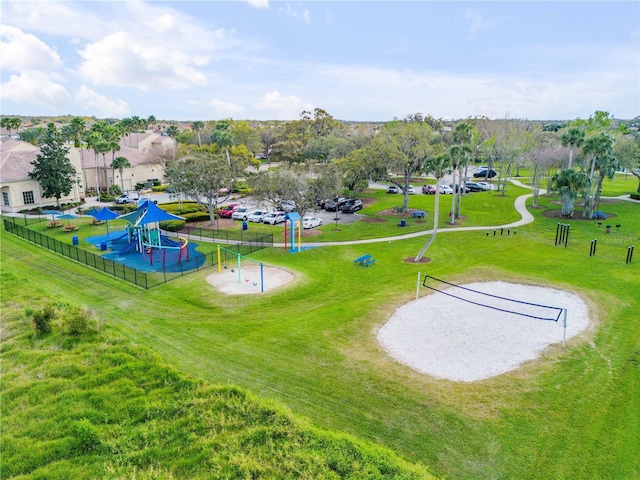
(600, 147)
(150, 121)
(11, 123)
(32, 135)
(460, 156)
(439, 166)
(136, 123)
(79, 128)
(120, 163)
(569, 183)
(573, 137)
(172, 131)
(197, 126)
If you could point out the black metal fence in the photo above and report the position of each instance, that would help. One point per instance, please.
(146, 279)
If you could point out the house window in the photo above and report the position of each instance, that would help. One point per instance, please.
(28, 198)
(5, 199)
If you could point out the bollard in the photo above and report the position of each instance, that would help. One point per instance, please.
(592, 248)
(629, 253)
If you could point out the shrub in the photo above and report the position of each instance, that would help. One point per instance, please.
(196, 216)
(635, 196)
(42, 318)
(77, 321)
(159, 188)
(173, 225)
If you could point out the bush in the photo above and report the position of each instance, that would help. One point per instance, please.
(77, 321)
(196, 216)
(42, 319)
(159, 188)
(173, 225)
(635, 196)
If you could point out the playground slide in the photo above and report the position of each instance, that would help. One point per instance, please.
(130, 246)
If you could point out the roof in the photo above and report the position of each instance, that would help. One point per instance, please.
(15, 160)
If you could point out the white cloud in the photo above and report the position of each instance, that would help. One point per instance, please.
(23, 51)
(36, 89)
(124, 61)
(477, 22)
(281, 108)
(92, 101)
(226, 109)
(258, 3)
(303, 14)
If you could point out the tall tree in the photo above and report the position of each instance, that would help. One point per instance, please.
(460, 156)
(438, 165)
(10, 123)
(120, 163)
(34, 135)
(627, 151)
(79, 129)
(51, 168)
(269, 137)
(197, 126)
(600, 149)
(573, 137)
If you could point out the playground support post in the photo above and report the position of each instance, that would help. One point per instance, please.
(219, 262)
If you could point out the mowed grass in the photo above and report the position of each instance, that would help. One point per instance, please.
(312, 347)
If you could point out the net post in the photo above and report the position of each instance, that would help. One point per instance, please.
(418, 286)
(261, 278)
(564, 326)
(239, 276)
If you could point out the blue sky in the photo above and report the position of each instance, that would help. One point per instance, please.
(367, 61)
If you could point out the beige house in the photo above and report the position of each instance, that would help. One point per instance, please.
(145, 152)
(19, 191)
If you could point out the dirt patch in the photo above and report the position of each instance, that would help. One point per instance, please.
(249, 280)
(577, 216)
(413, 260)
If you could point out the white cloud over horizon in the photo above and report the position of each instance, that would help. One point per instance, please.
(256, 60)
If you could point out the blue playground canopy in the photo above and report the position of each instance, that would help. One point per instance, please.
(148, 212)
(102, 214)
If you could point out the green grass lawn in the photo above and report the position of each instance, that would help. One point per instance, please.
(312, 346)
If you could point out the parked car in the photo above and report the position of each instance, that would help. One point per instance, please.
(485, 173)
(311, 222)
(335, 204)
(257, 216)
(227, 210)
(352, 206)
(273, 218)
(429, 189)
(411, 189)
(287, 206)
(130, 197)
(242, 213)
(474, 187)
(446, 189)
(458, 188)
(487, 186)
(393, 189)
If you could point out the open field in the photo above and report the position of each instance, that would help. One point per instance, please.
(312, 347)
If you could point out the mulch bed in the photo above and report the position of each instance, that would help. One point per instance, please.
(577, 215)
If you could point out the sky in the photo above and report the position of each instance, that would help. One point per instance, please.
(358, 60)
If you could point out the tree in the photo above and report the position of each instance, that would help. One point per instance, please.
(401, 147)
(438, 165)
(543, 156)
(197, 126)
(627, 151)
(600, 148)
(568, 183)
(79, 129)
(120, 163)
(32, 135)
(10, 123)
(173, 131)
(572, 138)
(269, 137)
(460, 156)
(51, 168)
(243, 134)
(204, 177)
(301, 184)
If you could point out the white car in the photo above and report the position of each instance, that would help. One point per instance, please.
(486, 186)
(242, 213)
(273, 218)
(411, 190)
(311, 222)
(257, 216)
(446, 189)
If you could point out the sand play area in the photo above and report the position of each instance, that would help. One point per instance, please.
(456, 340)
(249, 280)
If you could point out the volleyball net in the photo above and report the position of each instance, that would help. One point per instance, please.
(500, 303)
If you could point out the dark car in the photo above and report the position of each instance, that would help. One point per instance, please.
(485, 173)
(474, 187)
(457, 188)
(335, 204)
(352, 206)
